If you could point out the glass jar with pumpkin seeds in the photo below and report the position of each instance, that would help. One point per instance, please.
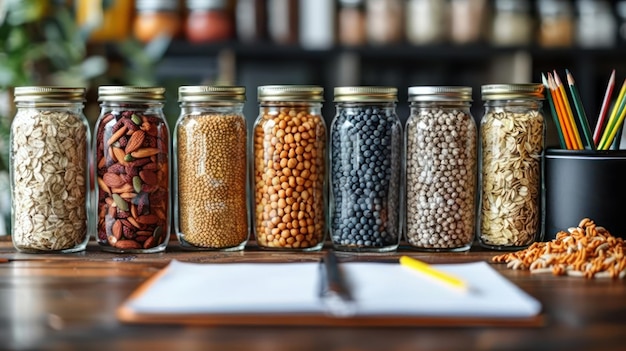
(210, 206)
(49, 143)
(512, 144)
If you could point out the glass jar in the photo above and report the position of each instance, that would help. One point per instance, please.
(513, 132)
(317, 24)
(620, 10)
(105, 23)
(441, 160)
(365, 170)
(49, 170)
(384, 21)
(426, 21)
(210, 142)
(512, 23)
(351, 23)
(289, 168)
(208, 21)
(250, 20)
(282, 21)
(467, 18)
(556, 23)
(155, 18)
(596, 24)
(132, 170)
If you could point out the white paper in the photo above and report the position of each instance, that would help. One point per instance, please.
(378, 288)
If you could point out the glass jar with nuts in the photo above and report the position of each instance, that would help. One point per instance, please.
(210, 206)
(289, 168)
(512, 144)
(132, 170)
(49, 143)
(365, 170)
(441, 160)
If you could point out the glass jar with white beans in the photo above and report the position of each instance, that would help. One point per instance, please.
(440, 169)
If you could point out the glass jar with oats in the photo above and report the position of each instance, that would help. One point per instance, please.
(512, 144)
(49, 170)
(132, 170)
(210, 206)
(289, 168)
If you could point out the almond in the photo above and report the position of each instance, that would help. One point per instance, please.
(149, 243)
(117, 229)
(113, 180)
(127, 245)
(103, 186)
(148, 219)
(119, 155)
(145, 152)
(135, 141)
(148, 177)
(117, 135)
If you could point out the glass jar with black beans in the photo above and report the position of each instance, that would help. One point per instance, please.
(365, 170)
(441, 155)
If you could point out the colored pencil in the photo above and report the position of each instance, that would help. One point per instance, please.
(555, 116)
(427, 270)
(618, 126)
(568, 109)
(597, 133)
(580, 111)
(612, 119)
(556, 97)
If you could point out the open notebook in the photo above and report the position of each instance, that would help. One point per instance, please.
(385, 294)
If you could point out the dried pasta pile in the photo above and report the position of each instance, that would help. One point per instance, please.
(588, 251)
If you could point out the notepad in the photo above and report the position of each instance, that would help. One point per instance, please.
(222, 293)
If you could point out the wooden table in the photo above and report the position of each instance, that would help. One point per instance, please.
(60, 302)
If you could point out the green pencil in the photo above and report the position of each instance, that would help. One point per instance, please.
(580, 111)
(555, 117)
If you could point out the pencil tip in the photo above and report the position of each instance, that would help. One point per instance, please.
(570, 78)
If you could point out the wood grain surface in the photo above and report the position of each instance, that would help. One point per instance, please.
(68, 302)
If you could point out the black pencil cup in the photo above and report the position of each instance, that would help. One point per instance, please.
(584, 183)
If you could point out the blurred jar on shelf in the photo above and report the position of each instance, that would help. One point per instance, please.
(208, 21)
(282, 21)
(620, 10)
(426, 21)
(250, 20)
(596, 25)
(106, 24)
(466, 20)
(384, 21)
(351, 23)
(556, 23)
(156, 18)
(512, 23)
(317, 24)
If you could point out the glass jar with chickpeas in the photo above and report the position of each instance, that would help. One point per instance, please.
(210, 205)
(289, 160)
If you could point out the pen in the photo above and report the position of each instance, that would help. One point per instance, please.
(437, 275)
(334, 289)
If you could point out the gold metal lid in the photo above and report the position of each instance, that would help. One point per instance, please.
(366, 94)
(205, 93)
(49, 94)
(440, 93)
(131, 93)
(290, 93)
(512, 91)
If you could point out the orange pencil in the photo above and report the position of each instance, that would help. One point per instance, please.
(570, 115)
(558, 105)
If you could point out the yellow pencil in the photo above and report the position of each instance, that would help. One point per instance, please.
(619, 122)
(442, 277)
(558, 104)
(609, 125)
(570, 115)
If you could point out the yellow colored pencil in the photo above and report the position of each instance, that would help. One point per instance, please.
(558, 104)
(437, 275)
(619, 122)
(568, 108)
(604, 141)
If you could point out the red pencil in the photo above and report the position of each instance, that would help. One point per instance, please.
(597, 133)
